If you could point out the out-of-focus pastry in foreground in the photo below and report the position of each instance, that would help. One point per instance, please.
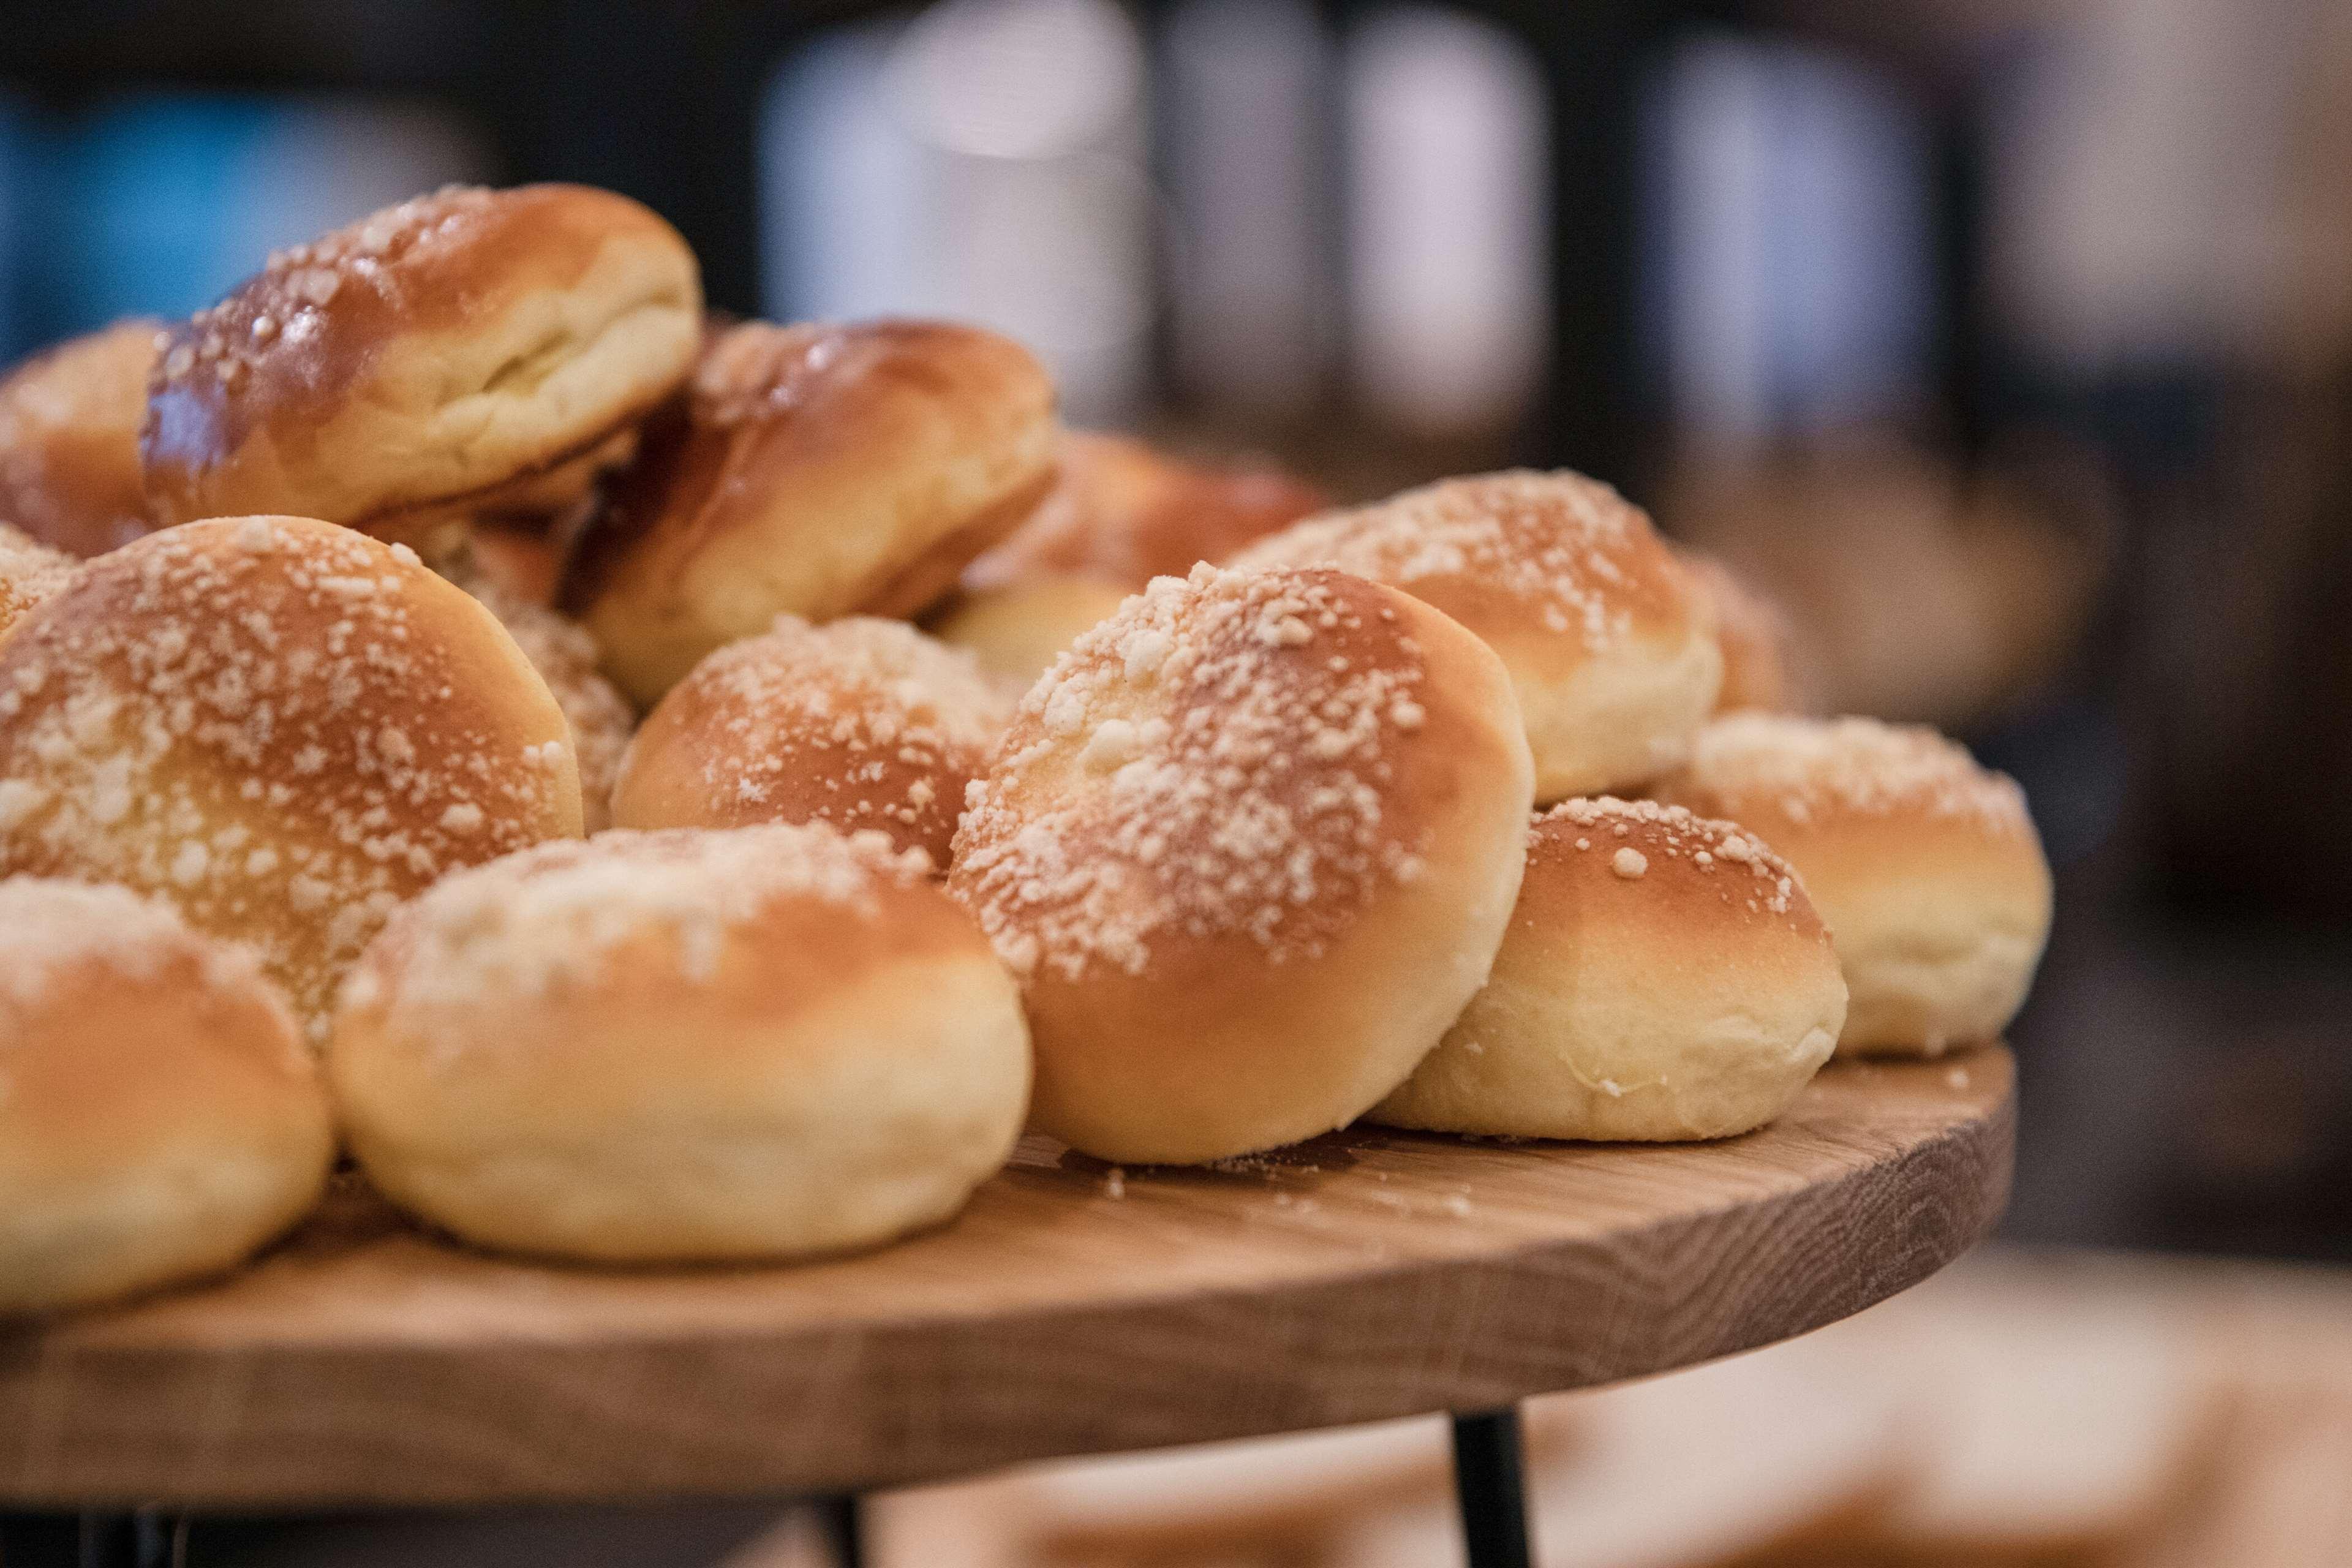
(437, 358)
(859, 723)
(1018, 629)
(282, 727)
(161, 1116)
(29, 573)
(1755, 635)
(1249, 846)
(1610, 647)
(683, 1045)
(812, 470)
(1664, 978)
(1123, 512)
(69, 419)
(1925, 866)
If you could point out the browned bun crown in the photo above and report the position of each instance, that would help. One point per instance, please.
(859, 723)
(70, 418)
(1754, 634)
(160, 1116)
(29, 573)
(817, 471)
(282, 728)
(1610, 649)
(1249, 845)
(1664, 979)
(676, 1046)
(1123, 512)
(1925, 866)
(433, 354)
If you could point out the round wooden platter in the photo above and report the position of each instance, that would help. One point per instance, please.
(1071, 1309)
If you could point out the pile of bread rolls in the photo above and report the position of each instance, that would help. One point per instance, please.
(328, 821)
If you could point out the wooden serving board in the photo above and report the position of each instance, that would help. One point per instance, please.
(1071, 1309)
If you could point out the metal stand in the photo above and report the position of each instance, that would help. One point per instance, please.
(1490, 1482)
(841, 1527)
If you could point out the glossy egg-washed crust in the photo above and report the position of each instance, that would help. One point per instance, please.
(443, 351)
(1664, 978)
(812, 470)
(1250, 846)
(69, 419)
(163, 1117)
(282, 727)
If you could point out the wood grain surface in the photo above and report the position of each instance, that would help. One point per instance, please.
(1071, 1309)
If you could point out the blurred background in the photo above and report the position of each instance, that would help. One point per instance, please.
(2008, 341)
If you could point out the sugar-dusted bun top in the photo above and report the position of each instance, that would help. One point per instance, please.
(1777, 769)
(62, 940)
(1551, 553)
(446, 346)
(29, 573)
(283, 727)
(639, 913)
(69, 422)
(1692, 873)
(1224, 758)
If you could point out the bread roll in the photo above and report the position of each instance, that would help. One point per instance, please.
(1927, 866)
(431, 356)
(1610, 649)
(813, 470)
(1752, 631)
(1250, 846)
(159, 1115)
(69, 422)
(860, 724)
(1017, 630)
(683, 1045)
(1121, 512)
(1664, 979)
(279, 726)
(29, 573)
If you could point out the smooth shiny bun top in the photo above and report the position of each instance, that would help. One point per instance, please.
(282, 727)
(436, 350)
(816, 470)
(69, 420)
(29, 573)
(860, 723)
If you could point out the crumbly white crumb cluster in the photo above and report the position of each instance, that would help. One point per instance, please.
(29, 573)
(281, 309)
(1566, 546)
(567, 658)
(1221, 756)
(551, 918)
(860, 722)
(247, 719)
(56, 936)
(1637, 835)
(1805, 768)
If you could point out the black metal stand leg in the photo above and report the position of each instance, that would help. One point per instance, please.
(1490, 1482)
(843, 1528)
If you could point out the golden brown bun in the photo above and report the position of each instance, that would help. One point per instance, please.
(1610, 649)
(1017, 630)
(1123, 512)
(279, 726)
(813, 470)
(69, 422)
(1927, 866)
(159, 1116)
(1664, 979)
(1249, 845)
(517, 561)
(440, 351)
(29, 573)
(859, 723)
(678, 1045)
(1753, 632)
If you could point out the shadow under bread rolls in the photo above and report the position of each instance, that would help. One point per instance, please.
(161, 1117)
(280, 727)
(683, 1045)
(1018, 629)
(1250, 846)
(810, 470)
(1664, 978)
(29, 573)
(1925, 866)
(1611, 647)
(858, 723)
(69, 419)
(433, 356)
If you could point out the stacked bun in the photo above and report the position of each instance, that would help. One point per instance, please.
(69, 419)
